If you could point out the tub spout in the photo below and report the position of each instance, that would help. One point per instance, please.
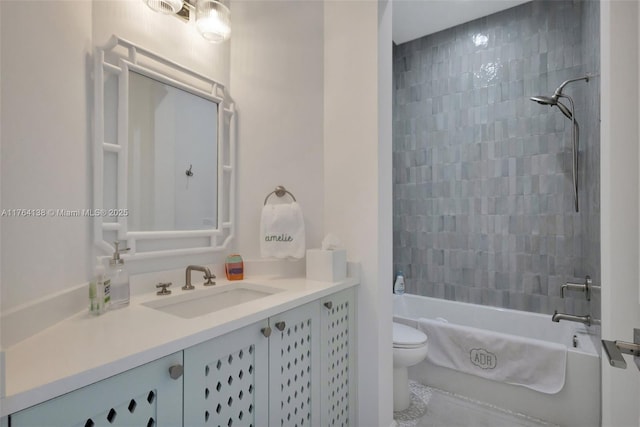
(557, 317)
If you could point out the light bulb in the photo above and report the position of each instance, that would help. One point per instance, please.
(213, 20)
(165, 6)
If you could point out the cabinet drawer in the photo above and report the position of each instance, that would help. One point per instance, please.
(144, 396)
(226, 380)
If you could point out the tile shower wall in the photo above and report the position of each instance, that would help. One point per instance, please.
(590, 154)
(483, 200)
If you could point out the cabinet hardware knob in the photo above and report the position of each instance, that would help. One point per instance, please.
(328, 304)
(266, 331)
(281, 326)
(176, 371)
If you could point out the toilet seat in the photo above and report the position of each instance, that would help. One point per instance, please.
(407, 337)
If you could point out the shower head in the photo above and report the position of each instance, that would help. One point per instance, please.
(553, 100)
(544, 100)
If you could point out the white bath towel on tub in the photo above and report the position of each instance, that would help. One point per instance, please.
(538, 365)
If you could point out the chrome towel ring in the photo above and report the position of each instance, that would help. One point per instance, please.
(280, 191)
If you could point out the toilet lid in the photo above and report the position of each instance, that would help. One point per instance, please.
(406, 336)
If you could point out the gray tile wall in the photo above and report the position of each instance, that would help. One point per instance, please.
(590, 153)
(482, 176)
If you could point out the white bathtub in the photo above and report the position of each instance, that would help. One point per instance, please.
(577, 404)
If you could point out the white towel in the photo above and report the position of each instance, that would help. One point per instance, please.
(535, 364)
(282, 231)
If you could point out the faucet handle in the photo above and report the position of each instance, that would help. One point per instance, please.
(585, 287)
(208, 276)
(209, 281)
(164, 290)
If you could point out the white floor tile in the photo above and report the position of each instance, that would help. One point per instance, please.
(437, 408)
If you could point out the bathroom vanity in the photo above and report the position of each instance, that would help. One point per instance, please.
(269, 351)
(282, 359)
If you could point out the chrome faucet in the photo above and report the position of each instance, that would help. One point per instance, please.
(557, 317)
(586, 287)
(207, 275)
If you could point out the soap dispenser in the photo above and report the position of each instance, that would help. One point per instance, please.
(398, 286)
(119, 277)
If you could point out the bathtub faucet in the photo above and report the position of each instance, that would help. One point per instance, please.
(587, 287)
(557, 317)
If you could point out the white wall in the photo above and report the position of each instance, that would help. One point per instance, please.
(384, 313)
(46, 116)
(45, 150)
(620, 108)
(2, 354)
(357, 165)
(46, 135)
(276, 80)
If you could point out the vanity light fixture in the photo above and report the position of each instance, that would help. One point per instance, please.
(212, 17)
(213, 20)
(165, 6)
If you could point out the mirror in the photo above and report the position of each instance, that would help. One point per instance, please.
(164, 155)
(173, 166)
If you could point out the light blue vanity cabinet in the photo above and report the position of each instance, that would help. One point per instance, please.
(312, 364)
(226, 379)
(295, 368)
(144, 396)
(337, 359)
(265, 374)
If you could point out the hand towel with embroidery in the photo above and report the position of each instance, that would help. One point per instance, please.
(282, 231)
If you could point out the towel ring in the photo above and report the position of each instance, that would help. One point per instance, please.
(280, 191)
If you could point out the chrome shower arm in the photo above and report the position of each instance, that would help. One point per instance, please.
(558, 92)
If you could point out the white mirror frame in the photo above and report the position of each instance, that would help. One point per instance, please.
(117, 58)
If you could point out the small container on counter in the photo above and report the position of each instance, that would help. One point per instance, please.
(99, 294)
(234, 267)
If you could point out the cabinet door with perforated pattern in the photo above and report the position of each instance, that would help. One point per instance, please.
(226, 380)
(294, 367)
(337, 359)
(146, 396)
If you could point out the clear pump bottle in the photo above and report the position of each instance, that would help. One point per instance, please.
(398, 286)
(119, 277)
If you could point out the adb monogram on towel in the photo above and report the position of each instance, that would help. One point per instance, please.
(482, 358)
(538, 365)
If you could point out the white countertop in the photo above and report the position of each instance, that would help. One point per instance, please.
(84, 348)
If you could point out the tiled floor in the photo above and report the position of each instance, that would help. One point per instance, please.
(437, 408)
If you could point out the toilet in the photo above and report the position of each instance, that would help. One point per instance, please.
(409, 348)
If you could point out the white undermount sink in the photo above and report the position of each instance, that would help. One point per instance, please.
(204, 301)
